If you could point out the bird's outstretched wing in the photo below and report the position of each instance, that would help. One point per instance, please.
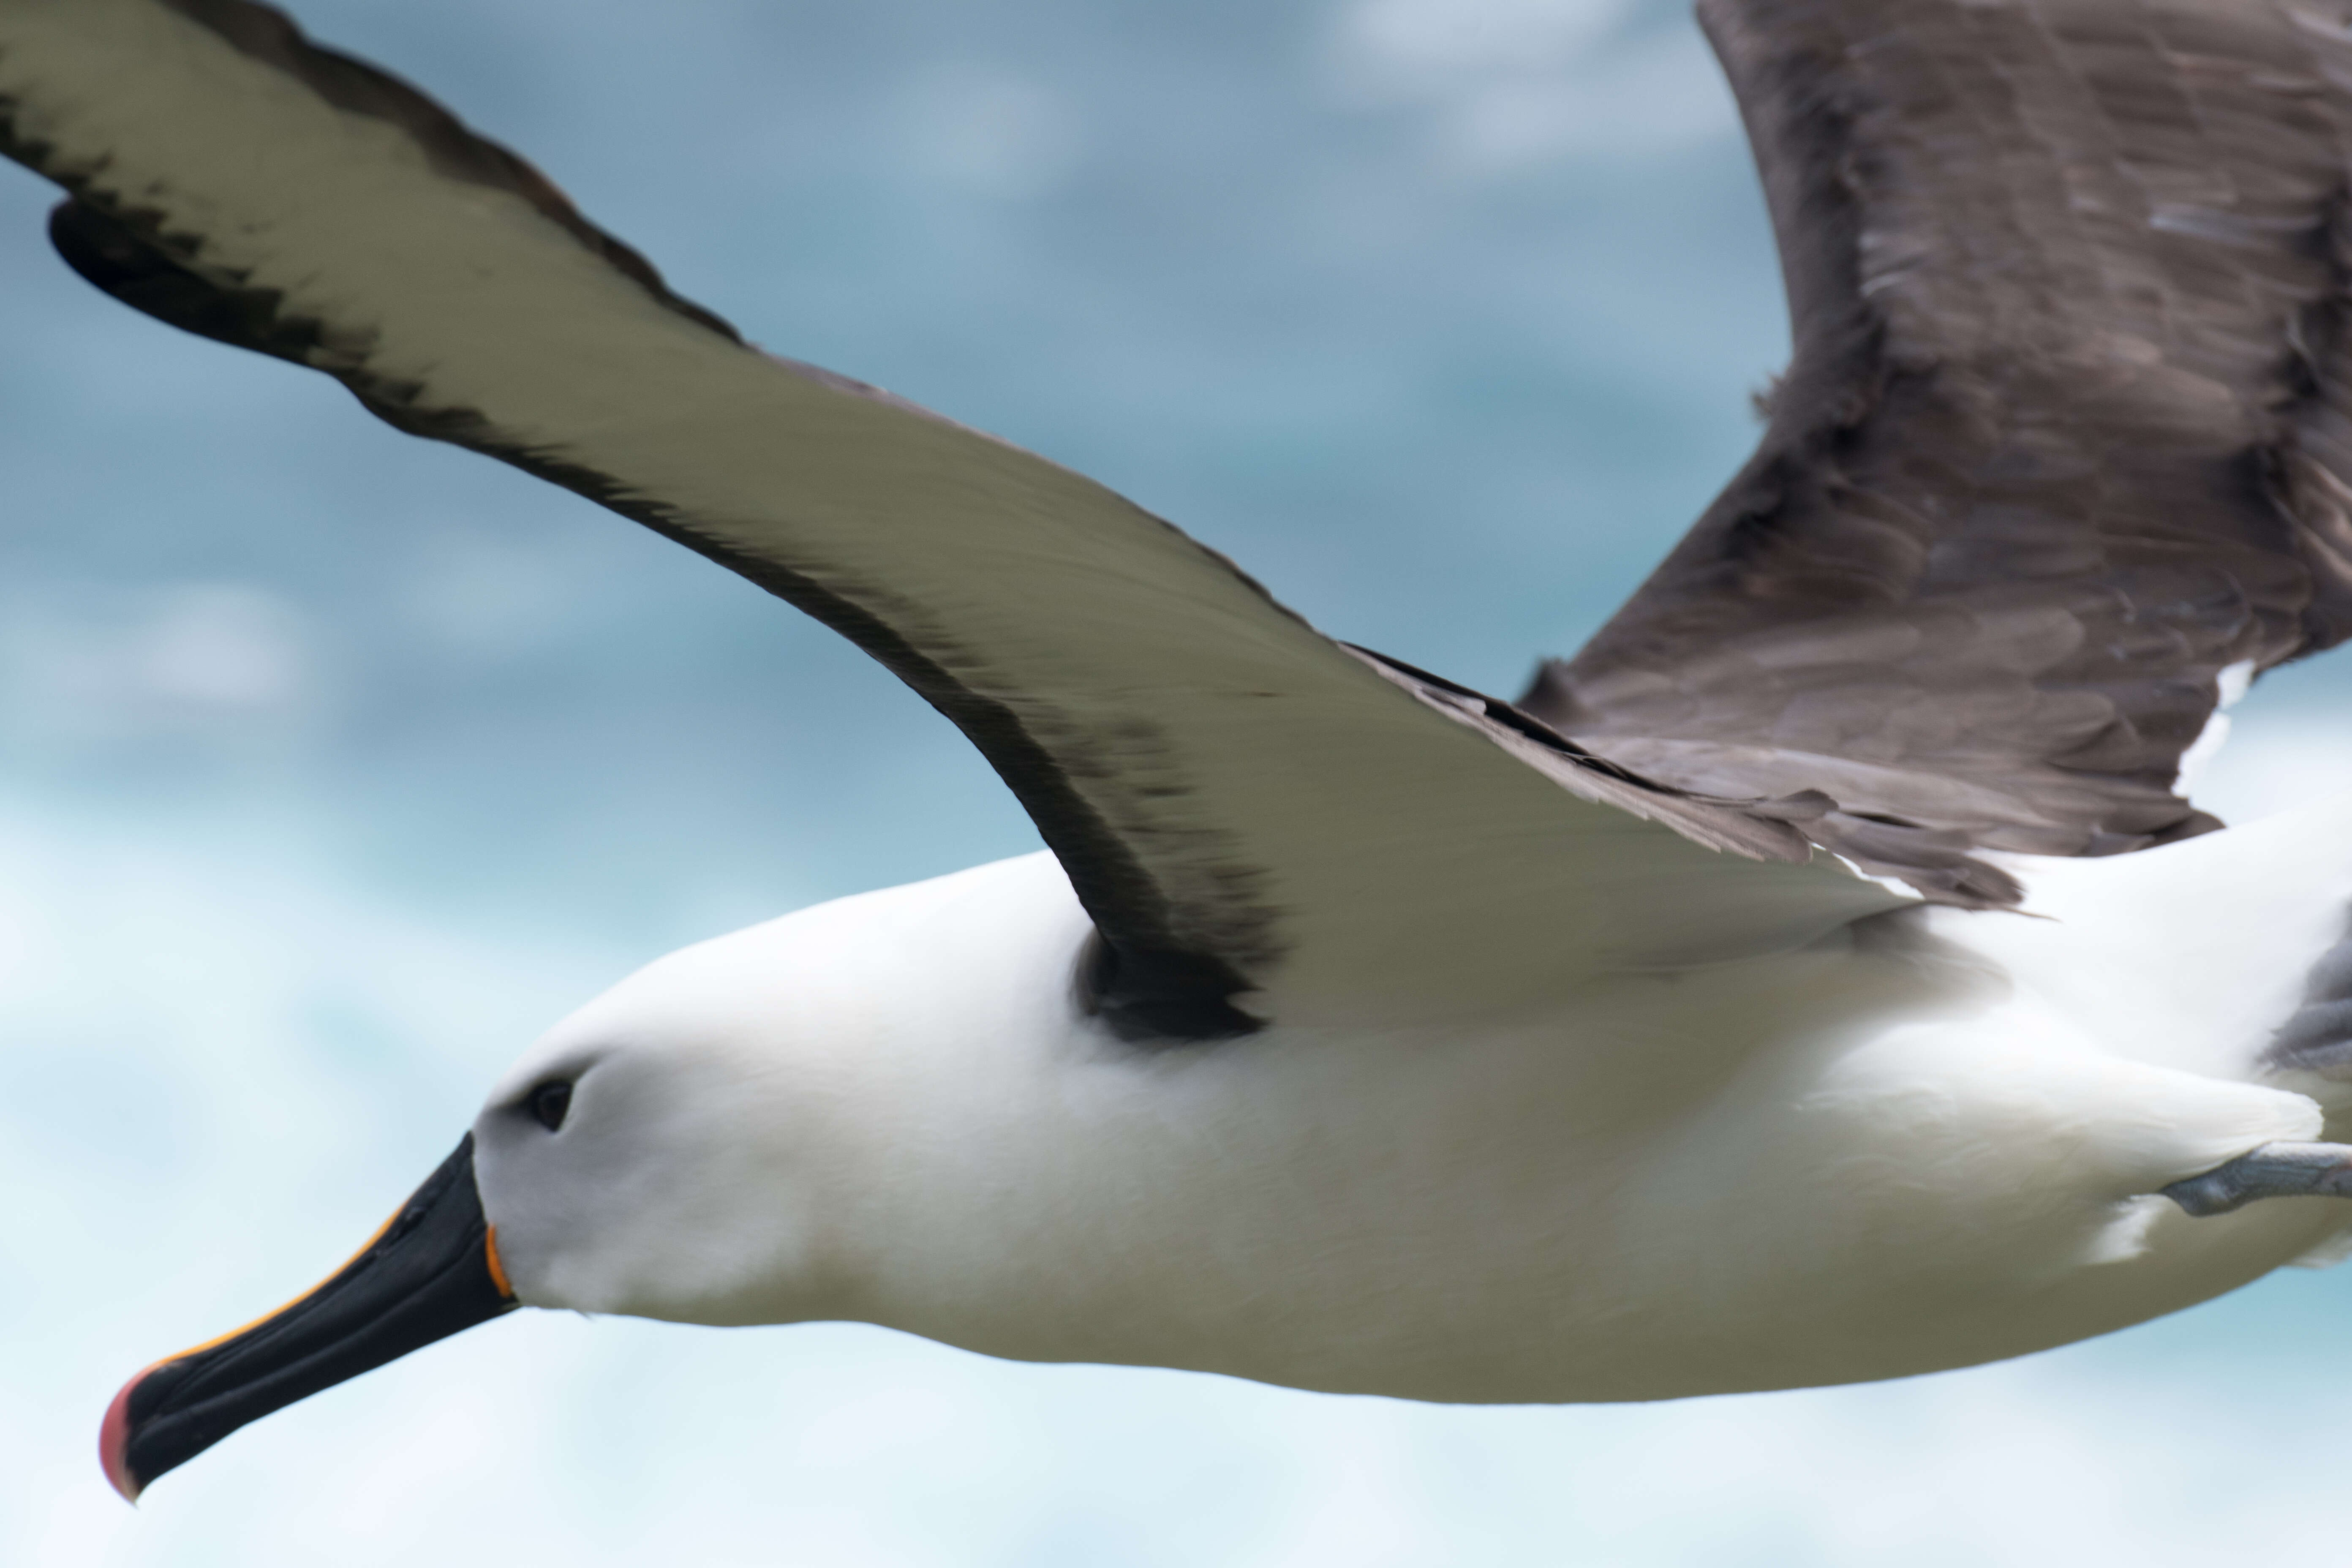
(2065, 449)
(1242, 804)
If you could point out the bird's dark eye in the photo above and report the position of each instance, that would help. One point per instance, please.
(548, 1103)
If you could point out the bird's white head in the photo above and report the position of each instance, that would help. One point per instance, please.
(730, 1135)
(667, 1150)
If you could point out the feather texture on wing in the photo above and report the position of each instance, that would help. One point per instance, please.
(1259, 820)
(2065, 436)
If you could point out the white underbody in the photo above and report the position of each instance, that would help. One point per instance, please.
(1931, 1141)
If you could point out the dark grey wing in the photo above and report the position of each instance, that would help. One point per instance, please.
(1259, 820)
(2064, 438)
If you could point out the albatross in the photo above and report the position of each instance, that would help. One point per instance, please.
(1821, 976)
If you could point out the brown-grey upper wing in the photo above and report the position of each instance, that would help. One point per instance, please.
(1260, 821)
(2064, 438)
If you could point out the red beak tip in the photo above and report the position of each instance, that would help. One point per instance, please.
(114, 1443)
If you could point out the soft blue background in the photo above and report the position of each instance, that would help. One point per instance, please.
(334, 766)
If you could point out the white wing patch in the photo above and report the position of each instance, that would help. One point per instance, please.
(2229, 685)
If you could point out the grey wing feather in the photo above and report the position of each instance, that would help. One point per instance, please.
(1260, 821)
(2065, 436)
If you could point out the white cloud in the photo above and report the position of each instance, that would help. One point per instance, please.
(483, 597)
(1429, 45)
(990, 130)
(1503, 83)
(99, 662)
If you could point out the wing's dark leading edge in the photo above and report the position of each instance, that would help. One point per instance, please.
(1258, 820)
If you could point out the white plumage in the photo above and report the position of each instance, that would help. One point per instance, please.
(1933, 1142)
(1669, 1034)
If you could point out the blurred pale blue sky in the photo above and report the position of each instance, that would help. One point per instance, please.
(334, 766)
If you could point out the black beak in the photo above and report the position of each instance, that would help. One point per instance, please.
(432, 1270)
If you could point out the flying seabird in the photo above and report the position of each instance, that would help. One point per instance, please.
(1822, 976)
